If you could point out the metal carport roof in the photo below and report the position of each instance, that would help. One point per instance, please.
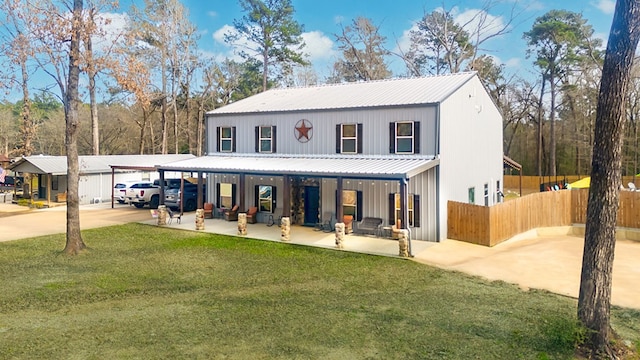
(347, 166)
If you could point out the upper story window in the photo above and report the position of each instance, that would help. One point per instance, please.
(404, 137)
(226, 139)
(266, 139)
(349, 138)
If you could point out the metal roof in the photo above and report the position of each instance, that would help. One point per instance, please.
(374, 167)
(393, 92)
(88, 164)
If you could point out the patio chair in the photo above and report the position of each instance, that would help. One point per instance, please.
(208, 210)
(172, 215)
(252, 214)
(231, 215)
(632, 186)
(328, 222)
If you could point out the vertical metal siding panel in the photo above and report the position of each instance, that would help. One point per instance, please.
(375, 131)
(424, 184)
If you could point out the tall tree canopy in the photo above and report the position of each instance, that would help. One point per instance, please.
(269, 32)
(558, 40)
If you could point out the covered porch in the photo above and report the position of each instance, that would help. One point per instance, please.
(372, 179)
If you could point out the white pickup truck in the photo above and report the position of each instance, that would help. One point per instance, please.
(143, 193)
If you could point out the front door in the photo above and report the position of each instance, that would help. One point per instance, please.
(311, 205)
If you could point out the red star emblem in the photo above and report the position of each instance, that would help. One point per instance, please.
(304, 130)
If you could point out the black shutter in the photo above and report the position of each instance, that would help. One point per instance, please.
(359, 205)
(257, 142)
(233, 139)
(257, 196)
(359, 144)
(392, 138)
(416, 210)
(273, 139)
(392, 209)
(416, 137)
(218, 200)
(273, 199)
(233, 195)
(218, 139)
(338, 138)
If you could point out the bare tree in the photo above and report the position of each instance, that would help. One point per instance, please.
(441, 43)
(594, 302)
(363, 53)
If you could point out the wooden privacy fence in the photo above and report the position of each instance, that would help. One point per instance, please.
(491, 225)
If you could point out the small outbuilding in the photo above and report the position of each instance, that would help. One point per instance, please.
(97, 174)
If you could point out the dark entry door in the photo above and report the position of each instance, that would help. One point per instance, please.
(311, 204)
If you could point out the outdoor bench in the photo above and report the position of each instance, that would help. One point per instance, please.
(368, 225)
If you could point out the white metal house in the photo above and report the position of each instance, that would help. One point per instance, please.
(391, 149)
(96, 173)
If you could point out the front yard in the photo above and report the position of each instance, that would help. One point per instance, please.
(157, 293)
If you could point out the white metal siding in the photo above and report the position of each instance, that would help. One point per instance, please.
(375, 129)
(470, 147)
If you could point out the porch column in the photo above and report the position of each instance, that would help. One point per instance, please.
(286, 196)
(199, 203)
(339, 208)
(404, 216)
(49, 189)
(113, 183)
(241, 198)
(161, 196)
(404, 211)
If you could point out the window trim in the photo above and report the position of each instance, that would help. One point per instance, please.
(271, 198)
(414, 137)
(231, 139)
(259, 139)
(344, 138)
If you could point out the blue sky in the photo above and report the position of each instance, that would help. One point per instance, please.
(322, 19)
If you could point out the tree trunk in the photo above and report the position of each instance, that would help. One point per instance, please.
(552, 123)
(74, 239)
(93, 104)
(539, 129)
(28, 127)
(594, 300)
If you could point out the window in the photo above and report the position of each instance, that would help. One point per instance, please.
(266, 198)
(54, 182)
(404, 137)
(226, 195)
(350, 203)
(413, 205)
(226, 136)
(472, 195)
(349, 138)
(486, 194)
(266, 139)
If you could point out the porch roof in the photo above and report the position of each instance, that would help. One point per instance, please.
(90, 164)
(347, 166)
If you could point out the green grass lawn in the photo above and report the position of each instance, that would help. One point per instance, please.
(143, 292)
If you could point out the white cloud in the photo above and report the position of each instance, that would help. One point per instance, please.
(606, 6)
(318, 46)
(112, 27)
(513, 63)
(404, 42)
(212, 14)
(479, 22)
